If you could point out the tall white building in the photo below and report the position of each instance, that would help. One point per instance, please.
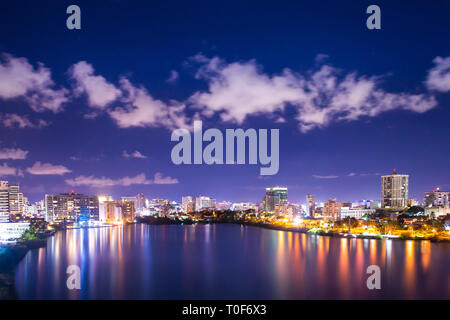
(310, 204)
(15, 199)
(187, 203)
(4, 201)
(437, 198)
(394, 190)
(202, 202)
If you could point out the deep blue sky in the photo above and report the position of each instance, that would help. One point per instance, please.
(146, 40)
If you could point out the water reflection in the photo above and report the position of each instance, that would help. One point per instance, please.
(229, 262)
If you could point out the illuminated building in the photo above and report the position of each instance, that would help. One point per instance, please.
(4, 201)
(356, 213)
(310, 204)
(437, 211)
(202, 203)
(140, 203)
(71, 207)
(15, 200)
(332, 209)
(436, 198)
(394, 190)
(243, 206)
(274, 196)
(116, 211)
(286, 210)
(187, 204)
(225, 205)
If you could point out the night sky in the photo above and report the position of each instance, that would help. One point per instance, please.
(92, 110)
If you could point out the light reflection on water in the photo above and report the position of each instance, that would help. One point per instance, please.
(229, 262)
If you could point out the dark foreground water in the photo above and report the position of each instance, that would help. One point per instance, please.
(229, 262)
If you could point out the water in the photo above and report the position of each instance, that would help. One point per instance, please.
(229, 262)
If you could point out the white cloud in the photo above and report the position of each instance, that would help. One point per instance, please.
(173, 76)
(14, 154)
(368, 174)
(136, 154)
(11, 120)
(6, 170)
(99, 91)
(239, 89)
(18, 78)
(324, 177)
(236, 90)
(142, 110)
(125, 181)
(108, 182)
(47, 169)
(438, 78)
(138, 108)
(160, 179)
(320, 97)
(362, 174)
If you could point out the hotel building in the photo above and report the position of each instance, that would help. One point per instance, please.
(394, 190)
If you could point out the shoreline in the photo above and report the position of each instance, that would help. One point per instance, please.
(10, 257)
(340, 235)
(161, 221)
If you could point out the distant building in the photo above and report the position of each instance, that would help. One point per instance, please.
(4, 201)
(140, 203)
(394, 190)
(310, 204)
(11, 199)
(374, 204)
(437, 211)
(243, 206)
(116, 211)
(274, 196)
(15, 199)
(332, 209)
(436, 198)
(71, 207)
(187, 204)
(203, 203)
(287, 210)
(356, 213)
(224, 205)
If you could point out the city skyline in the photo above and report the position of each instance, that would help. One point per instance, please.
(73, 124)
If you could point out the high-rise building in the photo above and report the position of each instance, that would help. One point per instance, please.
(310, 204)
(187, 204)
(15, 199)
(332, 209)
(436, 198)
(202, 203)
(116, 211)
(394, 190)
(4, 201)
(274, 196)
(226, 205)
(71, 207)
(141, 202)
